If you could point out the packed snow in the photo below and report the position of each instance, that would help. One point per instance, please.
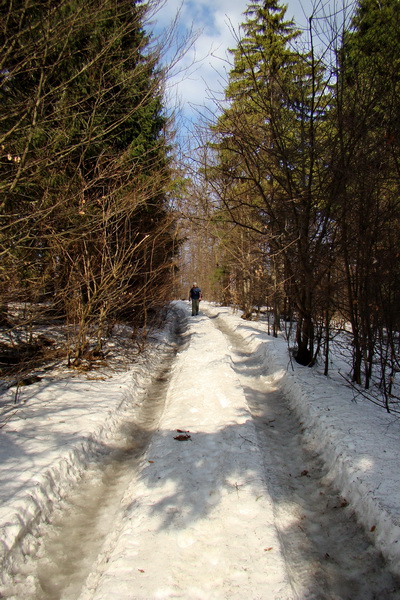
(212, 467)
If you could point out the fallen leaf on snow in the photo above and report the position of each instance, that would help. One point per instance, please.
(268, 549)
(373, 528)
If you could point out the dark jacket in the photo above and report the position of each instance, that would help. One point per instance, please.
(195, 293)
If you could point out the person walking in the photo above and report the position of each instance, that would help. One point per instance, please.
(195, 296)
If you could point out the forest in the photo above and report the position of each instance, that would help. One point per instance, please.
(292, 193)
(86, 232)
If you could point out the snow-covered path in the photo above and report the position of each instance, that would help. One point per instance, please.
(226, 499)
(197, 521)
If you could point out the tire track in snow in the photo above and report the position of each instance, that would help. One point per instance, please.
(62, 551)
(328, 554)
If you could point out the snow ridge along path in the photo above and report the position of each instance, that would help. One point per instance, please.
(357, 441)
(60, 426)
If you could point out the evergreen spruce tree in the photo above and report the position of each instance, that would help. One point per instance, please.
(271, 155)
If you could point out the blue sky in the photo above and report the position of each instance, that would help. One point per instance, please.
(202, 73)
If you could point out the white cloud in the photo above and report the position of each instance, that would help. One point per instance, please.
(203, 70)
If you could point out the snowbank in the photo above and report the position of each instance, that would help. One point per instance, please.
(59, 426)
(358, 441)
